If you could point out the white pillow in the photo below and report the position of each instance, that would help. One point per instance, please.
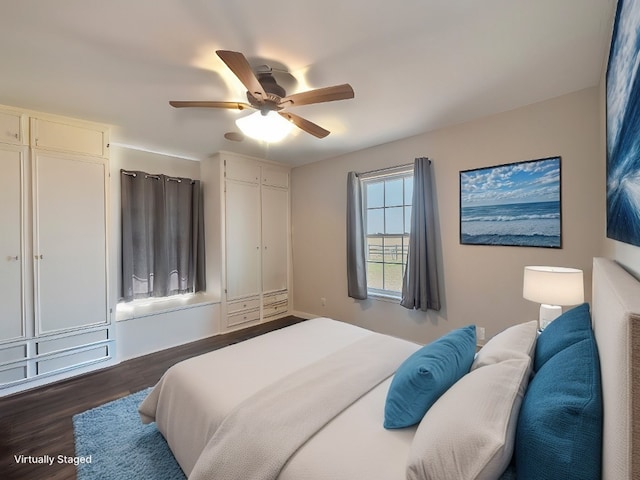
(469, 433)
(517, 341)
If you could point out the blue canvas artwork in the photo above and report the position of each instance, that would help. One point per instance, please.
(516, 204)
(623, 126)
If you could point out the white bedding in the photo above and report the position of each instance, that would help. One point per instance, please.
(203, 390)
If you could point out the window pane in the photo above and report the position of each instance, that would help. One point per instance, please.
(393, 193)
(375, 194)
(374, 249)
(407, 219)
(393, 277)
(408, 190)
(394, 220)
(393, 250)
(388, 225)
(375, 221)
(374, 275)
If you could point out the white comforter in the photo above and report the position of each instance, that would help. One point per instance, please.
(192, 399)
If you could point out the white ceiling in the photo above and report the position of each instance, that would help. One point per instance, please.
(415, 65)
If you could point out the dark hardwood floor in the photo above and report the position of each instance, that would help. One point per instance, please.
(38, 422)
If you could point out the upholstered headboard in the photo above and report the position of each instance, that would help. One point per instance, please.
(616, 322)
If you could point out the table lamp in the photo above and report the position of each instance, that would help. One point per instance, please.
(552, 288)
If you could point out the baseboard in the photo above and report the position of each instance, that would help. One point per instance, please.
(305, 315)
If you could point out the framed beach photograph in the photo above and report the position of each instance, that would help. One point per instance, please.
(623, 126)
(515, 204)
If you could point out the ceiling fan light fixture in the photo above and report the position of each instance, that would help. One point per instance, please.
(269, 128)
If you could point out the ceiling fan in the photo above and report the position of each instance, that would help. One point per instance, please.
(265, 95)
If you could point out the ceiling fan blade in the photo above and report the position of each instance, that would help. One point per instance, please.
(239, 65)
(306, 125)
(320, 95)
(230, 105)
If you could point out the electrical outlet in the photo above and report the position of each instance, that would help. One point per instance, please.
(323, 301)
(480, 333)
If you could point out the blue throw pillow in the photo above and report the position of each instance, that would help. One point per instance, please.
(571, 327)
(426, 375)
(559, 433)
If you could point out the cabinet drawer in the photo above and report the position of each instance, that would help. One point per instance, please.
(71, 360)
(62, 343)
(275, 309)
(11, 128)
(275, 177)
(277, 298)
(12, 354)
(240, 318)
(242, 170)
(68, 138)
(248, 304)
(13, 374)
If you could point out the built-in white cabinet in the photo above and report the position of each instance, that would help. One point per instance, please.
(256, 241)
(54, 302)
(243, 223)
(69, 249)
(12, 262)
(275, 235)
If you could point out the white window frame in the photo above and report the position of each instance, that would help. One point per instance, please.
(377, 177)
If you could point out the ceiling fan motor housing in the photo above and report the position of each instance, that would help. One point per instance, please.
(274, 94)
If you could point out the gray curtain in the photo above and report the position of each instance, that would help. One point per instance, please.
(356, 262)
(420, 282)
(162, 235)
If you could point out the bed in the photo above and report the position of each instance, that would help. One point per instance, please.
(245, 411)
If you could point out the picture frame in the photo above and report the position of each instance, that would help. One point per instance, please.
(515, 204)
(623, 126)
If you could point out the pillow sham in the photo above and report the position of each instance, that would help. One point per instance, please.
(427, 374)
(516, 341)
(559, 432)
(469, 432)
(571, 327)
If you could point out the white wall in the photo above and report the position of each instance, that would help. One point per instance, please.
(480, 284)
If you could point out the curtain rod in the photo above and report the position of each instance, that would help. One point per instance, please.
(383, 170)
(157, 177)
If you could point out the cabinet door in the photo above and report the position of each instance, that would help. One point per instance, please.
(11, 261)
(242, 239)
(11, 128)
(275, 235)
(275, 177)
(242, 170)
(67, 137)
(69, 242)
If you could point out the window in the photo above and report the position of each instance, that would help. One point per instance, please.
(162, 236)
(387, 204)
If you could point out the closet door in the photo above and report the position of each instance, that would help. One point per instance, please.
(242, 239)
(11, 242)
(275, 235)
(69, 241)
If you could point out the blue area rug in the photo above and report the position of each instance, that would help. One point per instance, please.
(120, 445)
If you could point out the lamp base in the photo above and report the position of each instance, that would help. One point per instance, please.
(548, 313)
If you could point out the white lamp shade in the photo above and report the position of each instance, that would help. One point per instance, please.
(268, 128)
(553, 285)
